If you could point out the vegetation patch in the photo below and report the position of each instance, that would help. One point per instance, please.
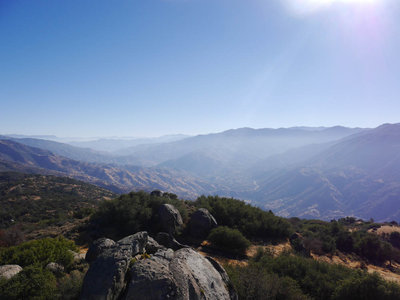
(133, 212)
(229, 240)
(294, 277)
(253, 222)
(35, 281)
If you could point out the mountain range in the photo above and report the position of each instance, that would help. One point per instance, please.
(310, 172)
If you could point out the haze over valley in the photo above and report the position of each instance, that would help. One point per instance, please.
(308, 172)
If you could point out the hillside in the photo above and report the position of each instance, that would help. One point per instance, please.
(116, 144)
(357, 176)
(262, 254)
(306, 172)
(18, 157)
(62, 149)
(45, 205)
(236, 147)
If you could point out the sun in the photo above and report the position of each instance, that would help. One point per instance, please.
(309, 6)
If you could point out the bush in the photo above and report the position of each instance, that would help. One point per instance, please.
(254, 283)
(230, 240)
(253, 222)
(69, 286)
(367, 287)
(39, 252)
(306, 278)
(134, 212)
(33, 282)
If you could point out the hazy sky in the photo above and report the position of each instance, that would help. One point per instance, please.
(153, 67)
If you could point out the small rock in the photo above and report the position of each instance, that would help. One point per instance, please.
(9, 271)
(55, 268)
(78, 257)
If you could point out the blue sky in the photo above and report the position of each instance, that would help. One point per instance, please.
(155, 67)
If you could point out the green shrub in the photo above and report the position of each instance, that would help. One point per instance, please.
(230, 240)
(305, 277)
(367, 287)
(33, 282)
(134, 212)
(69, 286)
(39, 252)
(254, 283)
(253, 222)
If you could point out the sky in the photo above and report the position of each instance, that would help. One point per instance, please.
(154, 67)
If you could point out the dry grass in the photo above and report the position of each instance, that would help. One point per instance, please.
(274, 249)
(386, 229)
(352, 263)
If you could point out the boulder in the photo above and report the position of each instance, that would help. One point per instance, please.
(170, 218)
(165, 274)
(156, 193)
(105, 278)
(55, 268)
(9, 271)
(98, 247)
(201, 223)
(184, 275)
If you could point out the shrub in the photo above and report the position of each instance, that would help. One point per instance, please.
(367, 287)
(253, 222)
(306, 278)
(254, 283)
(39, 252)
(230, 240)
(69, 286)
(134, 212)
(33, 282)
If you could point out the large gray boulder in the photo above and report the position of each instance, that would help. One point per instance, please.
(9, 271)
(127, 271)
(184, 275)
(170, 218)
(201, 223)
(97, 248)
(105, 278)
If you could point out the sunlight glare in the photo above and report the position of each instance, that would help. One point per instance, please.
(307, 6)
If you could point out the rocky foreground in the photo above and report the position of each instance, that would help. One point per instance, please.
(138, 267)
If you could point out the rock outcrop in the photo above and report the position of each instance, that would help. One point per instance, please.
(170, 218)
(105, 278)
(97, 248)
(184, 275)
(9, 271)
(127, 271)
(201, 223)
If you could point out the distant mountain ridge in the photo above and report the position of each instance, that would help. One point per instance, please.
(359, 176)
(22, 158)
(307, 172)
